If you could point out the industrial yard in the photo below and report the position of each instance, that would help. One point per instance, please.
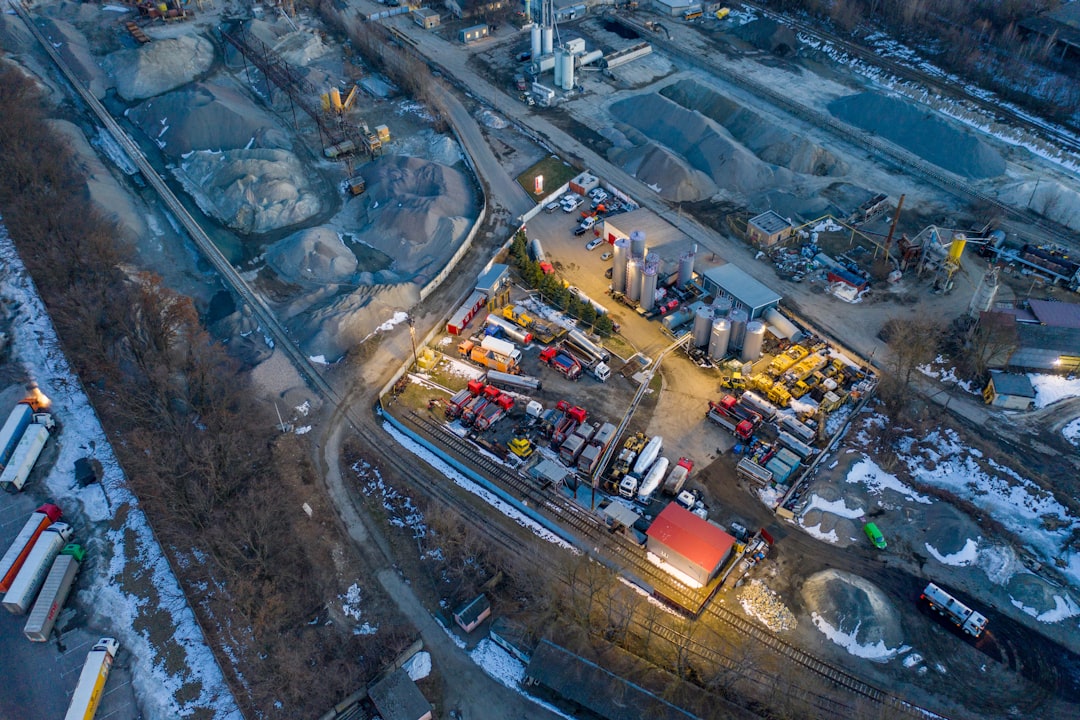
(630, 349)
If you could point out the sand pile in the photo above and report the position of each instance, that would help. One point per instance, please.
(206, 117)
(252, 191)
(73, 47)
(657, 167)
(848, 605)
(329, 329)
(922, 132)
(1047, 197)
(704, 144)
(160, 66)
(296, 47)
(947, 530)
(315, 255)
(769, 35)
(418, 212)
(1038, 598)
(771, 143)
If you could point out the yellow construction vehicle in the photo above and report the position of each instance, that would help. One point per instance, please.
(636, 442)
(786, 359)
(799, 389)
(831, 401)
(761, 383)
(779, 395)
(733, 382)
(520, 446)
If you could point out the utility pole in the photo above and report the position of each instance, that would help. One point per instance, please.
(412, 339)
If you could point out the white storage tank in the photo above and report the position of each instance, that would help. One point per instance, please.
(589, 58)
(721, 307)
(739, 318)
(984, 296)
(703, 321)
(637, 244)
(534, 42)
(648, 286)
(618, 271)
(536, 250)
(558, 67)
(633, 279)
(783, 326)
(576, 46)
(547, 36)
(686, 267)
(719, 338)
(752, 341)
(567, 62)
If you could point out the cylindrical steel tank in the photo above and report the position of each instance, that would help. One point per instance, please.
(633, 279)
(956, 249)
(686, 268)
(719, 338)
(558, 67)
(618, 268)
(739, 318)
(637, 244)
(674, 321)
(752, 341)
(547, 35)
(984, 296)
(567, 62)
(589, 58)
(649, 275)
(536, 250)
(721, 307)
(783, 326)
(703, 321)
(534, 42)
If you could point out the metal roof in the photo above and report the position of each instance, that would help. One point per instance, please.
(770, 222)
(396, 697)
(488, 282)
(1044, 337)
(470, 611)
(621, 514)
(658, 231)
(697, 540)
(1056, 314)
(737, 283)
(1013, 384)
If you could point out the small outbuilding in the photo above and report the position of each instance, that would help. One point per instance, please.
(1010, 391)
(425, 18)
(396, 697)
(767, 229)
(693, 546)
(494, 283)
(472, 613)
(474, 33)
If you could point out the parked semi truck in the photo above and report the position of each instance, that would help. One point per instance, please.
(739, 428)
(965, 618)
(16, 554)
(54, 593)
(13, 430)
(564, 363)
(26, 454)
(591, 363)
(582, 342)
(675, 480)
(91, 685)
(759, 405)
(20, 596)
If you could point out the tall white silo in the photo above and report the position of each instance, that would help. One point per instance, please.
(558, 67)
(984, 296)
(703, 320)
(686, 267)
(548, 38)
(719, 338)
(633, 279)
(752, 341)
(567, 75)
(739, 318)
(721, 307)
(534, 42)
(648, 286)
(618, 270)
(637, 244)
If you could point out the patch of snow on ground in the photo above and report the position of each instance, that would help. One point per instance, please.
(1064, 608)
(815, 531)
(399, 317)
(1051, 388)
(877, 481)
(418, 666)
(938, 371)
(1072, 432)
(456, 367)
(877, 651)
(912, 659)
(505, 668)
(961, 558)
(836, 507)
(770, 496)
(999, 562)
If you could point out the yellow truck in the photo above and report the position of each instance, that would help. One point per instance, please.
(488, 358)
(779, 395)
(782, 362)
(91, 685)
(761, 383)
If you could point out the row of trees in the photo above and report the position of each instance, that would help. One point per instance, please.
(553, 290)
(216, 478)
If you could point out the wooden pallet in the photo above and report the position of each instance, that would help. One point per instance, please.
(137, 33)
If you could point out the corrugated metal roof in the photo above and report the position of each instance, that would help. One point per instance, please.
(1056, 314)
(1013, 384)
(736, 282)
(770, 222)
(396, 697)
(1044, 337)
(489, 281)
(697, 540)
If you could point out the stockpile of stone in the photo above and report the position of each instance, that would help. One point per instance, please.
(766, 606)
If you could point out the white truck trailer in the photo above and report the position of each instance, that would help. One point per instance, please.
(26, 454)
(13, 430)
(24, 588)
(54, 592)
(91, 685)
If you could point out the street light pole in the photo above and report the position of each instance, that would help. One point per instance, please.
(412, 339)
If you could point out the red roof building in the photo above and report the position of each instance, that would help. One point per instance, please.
(692, 545)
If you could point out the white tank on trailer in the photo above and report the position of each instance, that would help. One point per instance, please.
(652, 479)
(648, 455)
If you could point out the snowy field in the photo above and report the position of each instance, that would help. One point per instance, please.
(112, 512)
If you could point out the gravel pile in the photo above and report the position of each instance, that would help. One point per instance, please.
(766, 606)
(330, 328)
(854, 606)
(160, 66)
(769, 35)
(206, 117)
(669, 174)
(773, 144)
(316, 255)
(922, 132)
(75, 51)
(1047, 197)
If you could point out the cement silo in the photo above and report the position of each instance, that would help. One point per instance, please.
(618, 269)
(648, 286)
(984, 296)
(739, 318)
(721, 307)
(753, 339)
(534, 42)
(783, 326)
(547, 35)
(686, 267)
(558, 68)
(566, 58)
(633, 279)
(719, 338)
(703, 321)
(637, 244)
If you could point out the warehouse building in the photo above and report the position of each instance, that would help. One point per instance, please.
(744, 291)
(1047, 337)
(693, 546)
(659, 233)
(767, 229)
(1010, 391)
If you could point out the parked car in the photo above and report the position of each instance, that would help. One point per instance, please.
(594, 243)
(588, 222)
(579, 231)
(570, 205)
(551, 206)
(875, 535)
(606, 255)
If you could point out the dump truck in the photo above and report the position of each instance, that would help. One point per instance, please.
(488, 358)
(963, 617)
(54, 592)
(566, 426)
(20, 596)
(16, 554)
(604, 435)
(675, 480)
(730, 405)
(12, 432)
(91, 685)
(474, 407)
(456, 403)
(26, 454)
(736, 426)
(564, 363)
(590, 363)
(493, 412)
(590, 458)
(571, 449)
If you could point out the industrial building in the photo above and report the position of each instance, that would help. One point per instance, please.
(396, 697)
(674, 8)
(492, 290)
(425, 18)
(767, 229)
(659, 233)
(1047, 337)
(474, 33)
(729, 281)
(1010, 391)
(693, 546)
